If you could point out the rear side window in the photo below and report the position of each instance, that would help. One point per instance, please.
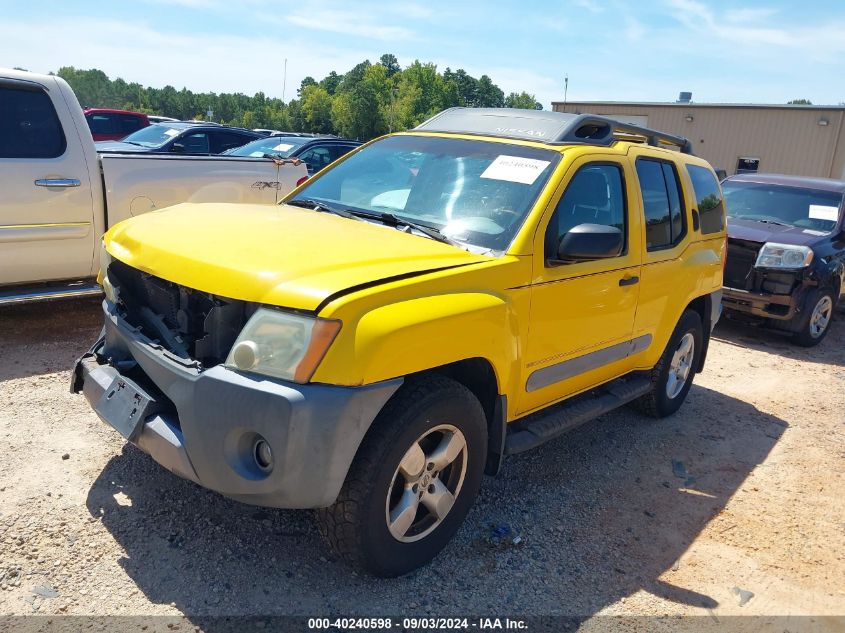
(595, 195)
(29, 125)
(196, 143)
(663, 203)
(130, 123)
(221, 141)
(102, 124)
(316, 158)
(708, 197)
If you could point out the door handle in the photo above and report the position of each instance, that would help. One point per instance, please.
(628, 281)
(58, 182)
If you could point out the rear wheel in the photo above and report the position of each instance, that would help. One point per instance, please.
(672, 376)
(413, 481)
(814, 323)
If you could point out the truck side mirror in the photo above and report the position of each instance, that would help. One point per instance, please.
(590, 241)
(178, 148)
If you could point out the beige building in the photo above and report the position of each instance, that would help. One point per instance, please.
(803, 140)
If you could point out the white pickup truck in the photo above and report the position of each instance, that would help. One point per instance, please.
(58, 195)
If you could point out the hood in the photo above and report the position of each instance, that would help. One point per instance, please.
(754, 231)
(118, 146)
(276, 255)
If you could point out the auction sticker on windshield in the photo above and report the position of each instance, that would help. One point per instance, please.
(515, 169)
(282, 147)
(823, 212)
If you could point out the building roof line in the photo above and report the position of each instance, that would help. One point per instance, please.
(673, 104)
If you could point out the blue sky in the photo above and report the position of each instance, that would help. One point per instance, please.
(765, 52)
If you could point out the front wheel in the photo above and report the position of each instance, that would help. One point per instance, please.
(671, 377)
(413, 480)
(814, 324)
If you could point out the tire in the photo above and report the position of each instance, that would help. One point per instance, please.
(668, 392)
(432, 414)
(814, 323)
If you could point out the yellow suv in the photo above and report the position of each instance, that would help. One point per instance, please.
(430, 303)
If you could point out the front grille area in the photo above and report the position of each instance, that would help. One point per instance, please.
(188, 323)
(739, 268)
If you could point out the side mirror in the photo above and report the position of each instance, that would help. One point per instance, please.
(590, 241)
(178, 148)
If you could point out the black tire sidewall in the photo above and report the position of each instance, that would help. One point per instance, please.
(690, 322)
(382, 553)
(802, 334)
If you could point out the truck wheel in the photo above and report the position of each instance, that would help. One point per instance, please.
(814, 324)
(413, 480)
(671, 377)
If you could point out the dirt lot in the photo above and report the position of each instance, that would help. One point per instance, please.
(742, 489)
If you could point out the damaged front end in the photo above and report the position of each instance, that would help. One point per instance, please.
(756, 292)
(195, 326)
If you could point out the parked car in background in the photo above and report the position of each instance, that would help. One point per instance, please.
(786, 252)
(59, 195)
(155, 118)
(112, 125)
(315, 151)
(182, 137)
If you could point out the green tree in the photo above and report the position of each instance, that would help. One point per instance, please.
(366, 101)
(467, 87)
(362, 112)
(317, 109)
(488, 94)
(308, 81)
(800, 102)
(422, 93)
(389, 61)
(330, 82)
(522, 100)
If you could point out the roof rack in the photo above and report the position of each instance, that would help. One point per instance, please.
(550, 127)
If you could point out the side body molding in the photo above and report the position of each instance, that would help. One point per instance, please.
(580, 364)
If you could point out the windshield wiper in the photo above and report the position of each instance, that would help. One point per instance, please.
(394, 220)
(765, 220)
(321, 207)
(385, 218)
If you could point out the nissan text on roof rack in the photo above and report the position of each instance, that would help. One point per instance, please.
(60, 195)
(425, 306)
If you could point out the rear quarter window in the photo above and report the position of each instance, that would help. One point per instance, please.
(708, 197)
(29, 125)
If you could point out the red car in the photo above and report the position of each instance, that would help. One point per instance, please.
(112, 125)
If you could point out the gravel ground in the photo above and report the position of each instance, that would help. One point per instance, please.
(741, 490)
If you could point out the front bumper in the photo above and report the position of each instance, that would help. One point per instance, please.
(202, 425)
(761, 304)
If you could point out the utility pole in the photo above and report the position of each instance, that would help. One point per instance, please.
(565, 90)
(285, 80)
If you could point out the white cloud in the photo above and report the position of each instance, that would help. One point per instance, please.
(744, 29)
(591, 5)
(198, 61)
(634, 29)
(349, 23)
(749, 15)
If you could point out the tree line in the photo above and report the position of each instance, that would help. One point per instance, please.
(367, 101)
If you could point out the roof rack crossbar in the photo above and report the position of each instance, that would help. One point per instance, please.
(590, 128)
(543, 126)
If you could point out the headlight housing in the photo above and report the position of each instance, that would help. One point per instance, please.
(774, 255)
(282, 344)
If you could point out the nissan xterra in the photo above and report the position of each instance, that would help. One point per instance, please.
(434, 301)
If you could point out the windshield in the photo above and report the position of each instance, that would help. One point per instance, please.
(279, 146)
(153, 135)
(475, 192)
(794, 206)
